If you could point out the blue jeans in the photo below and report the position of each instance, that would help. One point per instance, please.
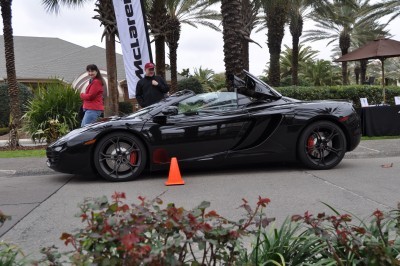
(90, 117)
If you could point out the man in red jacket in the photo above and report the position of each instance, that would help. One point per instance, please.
(150, 89)
(93, 97)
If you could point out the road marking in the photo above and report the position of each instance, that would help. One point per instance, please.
(8, 172)
(368, 148)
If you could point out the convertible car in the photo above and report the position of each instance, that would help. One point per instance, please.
(253, 123)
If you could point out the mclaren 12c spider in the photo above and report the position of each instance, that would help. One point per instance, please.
(252, 124)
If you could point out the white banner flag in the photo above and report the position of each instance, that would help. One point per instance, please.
(134, 37)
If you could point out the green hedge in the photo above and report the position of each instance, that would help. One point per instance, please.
(125, 108)
(4, 130)
(353, 93)
(24, 96)
(192, 84)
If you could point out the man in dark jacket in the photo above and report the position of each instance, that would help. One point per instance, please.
(150, 89)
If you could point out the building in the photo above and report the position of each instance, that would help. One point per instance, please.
(40, 60)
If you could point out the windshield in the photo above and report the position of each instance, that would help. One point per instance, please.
(143, 111)
(212, 102)
(254, 87)
(170, 100)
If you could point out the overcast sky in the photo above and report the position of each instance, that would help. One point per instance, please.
(197, 47)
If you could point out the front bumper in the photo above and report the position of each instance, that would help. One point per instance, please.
(70, 160)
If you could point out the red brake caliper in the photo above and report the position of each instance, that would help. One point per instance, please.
(133, 158)
(310, 144)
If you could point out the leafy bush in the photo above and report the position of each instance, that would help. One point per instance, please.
(117, 233)
(24, 96)
(289, 244)
(376, 243)
(52, 112)
(8, 253)
(125, 108)
(192, 84)
(352, 93)
(4, 130)
(11, 255)
(147, 234)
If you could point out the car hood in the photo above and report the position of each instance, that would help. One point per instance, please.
(254, 87)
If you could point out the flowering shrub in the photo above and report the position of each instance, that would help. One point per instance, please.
(145, 233)
(376, 243)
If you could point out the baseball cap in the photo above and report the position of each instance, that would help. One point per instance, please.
(148, 65)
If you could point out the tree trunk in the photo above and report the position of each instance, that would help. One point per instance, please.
(296, 29)
(15, 113)
(245, 54)
(246, 13)
(172, 38)
(344, 44)
(363, 74)
(276, 19)
(231, 20)
(357, 71)
(112, 75)
(105, 8)
(157, 19)
(160, 56)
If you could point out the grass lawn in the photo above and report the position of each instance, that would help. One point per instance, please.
(23, 153)
(380, 137)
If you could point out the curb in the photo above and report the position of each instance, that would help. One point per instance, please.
(363, 155)
(48, 171)
(34, 172)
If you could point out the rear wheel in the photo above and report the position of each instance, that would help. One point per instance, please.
(120, 156)
(322, 145)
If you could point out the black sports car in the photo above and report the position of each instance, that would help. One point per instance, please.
(254, 123)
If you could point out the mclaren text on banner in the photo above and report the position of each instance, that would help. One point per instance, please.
(134, 39)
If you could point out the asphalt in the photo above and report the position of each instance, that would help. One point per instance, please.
(37, 165)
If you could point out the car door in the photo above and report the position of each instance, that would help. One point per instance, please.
(204, 133)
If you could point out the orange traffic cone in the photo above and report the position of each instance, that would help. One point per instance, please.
(174, 177)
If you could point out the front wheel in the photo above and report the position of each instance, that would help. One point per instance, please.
(322, 145)
(120, 156)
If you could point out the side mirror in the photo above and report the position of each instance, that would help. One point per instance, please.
(160, 119)
(170, 110)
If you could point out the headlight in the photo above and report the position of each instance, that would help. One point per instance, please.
(58, 148)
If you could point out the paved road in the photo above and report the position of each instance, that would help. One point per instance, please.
(43, 204)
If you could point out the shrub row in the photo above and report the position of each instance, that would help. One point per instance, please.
(146, 233)
(192, 84)
(352, 93)
(24, 96)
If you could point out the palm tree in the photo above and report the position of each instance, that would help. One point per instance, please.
(340, 20)
(276, 17)
(205, 76)
(321, 73)
(286, 59)
(393, 6)
(106, 16)
(15, 114)
(231, 22)
(250, 20)
(298, 12)
(192, 13)
(157, 16)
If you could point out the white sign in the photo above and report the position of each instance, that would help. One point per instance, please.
(364, 102)
(134, 37)
(397, 100)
